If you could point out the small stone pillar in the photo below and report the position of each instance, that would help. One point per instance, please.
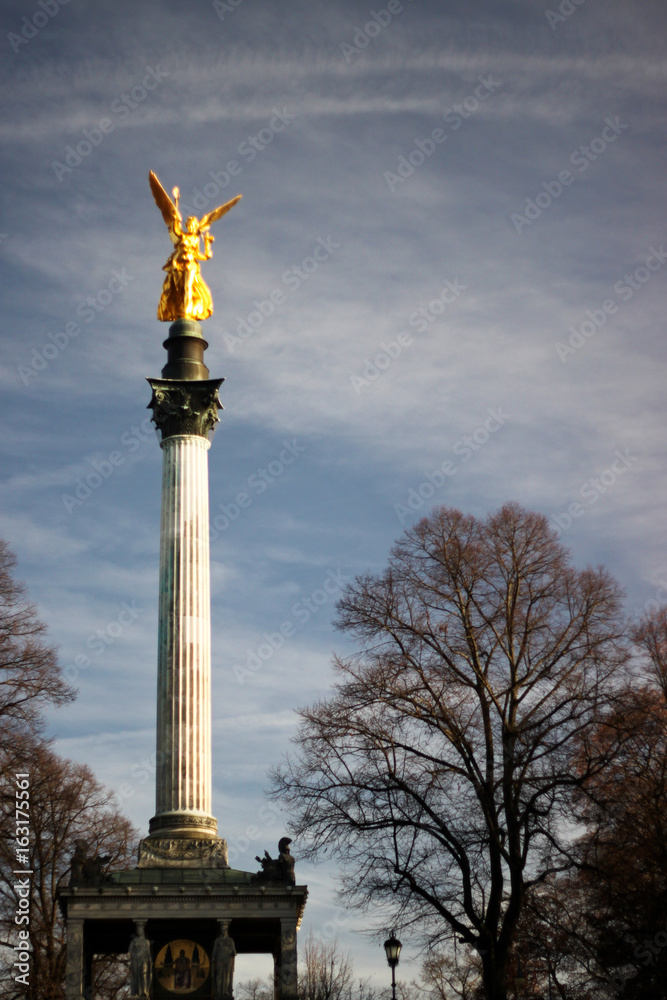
(75, 967)
(285, 971)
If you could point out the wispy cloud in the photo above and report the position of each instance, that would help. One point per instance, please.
(322, 179)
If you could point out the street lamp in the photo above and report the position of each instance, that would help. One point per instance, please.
(392, 947)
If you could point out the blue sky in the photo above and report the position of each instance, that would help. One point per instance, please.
(445, 284)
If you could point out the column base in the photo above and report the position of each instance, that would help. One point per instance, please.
(183, 824)
(183, 840)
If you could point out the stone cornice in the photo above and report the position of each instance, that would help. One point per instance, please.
(203, 901)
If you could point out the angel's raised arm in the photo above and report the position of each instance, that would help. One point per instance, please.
(170, 213)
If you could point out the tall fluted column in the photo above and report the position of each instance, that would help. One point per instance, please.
(185, 409)
(183, 782)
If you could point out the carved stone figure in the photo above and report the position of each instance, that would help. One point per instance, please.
(222, 963)
(86, 869)
(286, 860)
(182, 971)
(185, 294)
(141, 964)
(280, 869)
(77, 862)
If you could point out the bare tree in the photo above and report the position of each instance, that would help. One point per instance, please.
(451, 975)
(440, 772)
(325, 973)
(599, 932)
(254, 989)
(650, 636)
(30, 677)
(66, 803)
(53, 803)
(556, 945)
(624, 854)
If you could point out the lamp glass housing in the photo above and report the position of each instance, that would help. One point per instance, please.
(392, 947)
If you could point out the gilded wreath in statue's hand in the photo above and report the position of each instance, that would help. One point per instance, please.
(185, 294)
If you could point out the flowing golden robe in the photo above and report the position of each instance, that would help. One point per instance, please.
(185, 294)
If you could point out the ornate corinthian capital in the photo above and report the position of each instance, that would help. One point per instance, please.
(185, 407)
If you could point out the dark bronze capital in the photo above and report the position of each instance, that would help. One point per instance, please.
(185, 407)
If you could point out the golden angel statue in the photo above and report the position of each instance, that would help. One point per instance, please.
(185, 294)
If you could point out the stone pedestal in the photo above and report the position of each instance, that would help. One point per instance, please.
(181, 910)
(183, 852)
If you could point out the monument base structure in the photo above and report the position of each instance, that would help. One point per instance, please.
(183, 913)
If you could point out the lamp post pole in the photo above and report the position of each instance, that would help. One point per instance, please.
(549, 975)
(392, 947)
(519, 978)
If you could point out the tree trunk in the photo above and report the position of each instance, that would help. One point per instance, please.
(494, 969)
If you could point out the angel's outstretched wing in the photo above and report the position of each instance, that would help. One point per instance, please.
(217, 213)
(170, 213)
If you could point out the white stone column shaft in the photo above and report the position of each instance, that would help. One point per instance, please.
(183, 782)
